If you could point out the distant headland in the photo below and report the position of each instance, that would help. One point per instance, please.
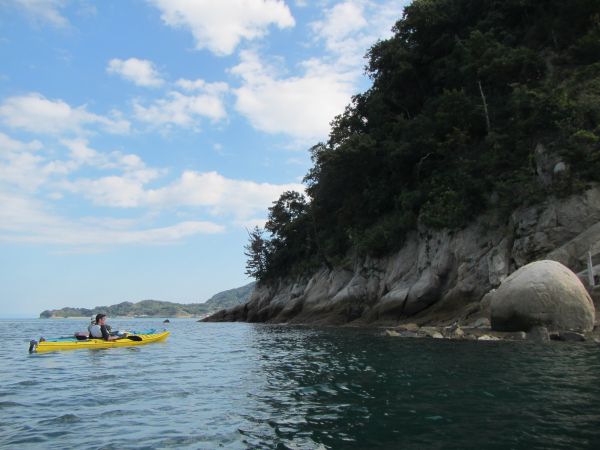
(158, 308)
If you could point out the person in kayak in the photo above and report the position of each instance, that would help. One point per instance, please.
(100, 330)
(92, 323)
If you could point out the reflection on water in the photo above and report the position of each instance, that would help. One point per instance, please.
(258, 386)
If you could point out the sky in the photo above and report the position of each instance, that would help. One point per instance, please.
(141, 139)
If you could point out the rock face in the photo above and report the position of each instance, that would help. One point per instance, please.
(437, 277)
(543, 293)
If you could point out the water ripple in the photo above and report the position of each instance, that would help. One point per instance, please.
(256, 386)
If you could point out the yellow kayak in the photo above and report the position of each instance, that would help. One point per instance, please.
(138, 339)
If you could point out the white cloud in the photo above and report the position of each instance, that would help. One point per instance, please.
(82, 154)
(35, 113)
(127, 186)
(121, 190)
(301, 106)
(28, 177)
(9, 145)
(43, 10)
(220, 26)
(201, 85)
(350, 28)
(23, 219)
(342, 20)
(181, 110)
(223, 196)
(114, 191)
(30, 181)
(140, 71)
(210, 191)
(24, 166)
(22, 171)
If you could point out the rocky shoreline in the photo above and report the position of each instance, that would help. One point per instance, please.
(481, 331)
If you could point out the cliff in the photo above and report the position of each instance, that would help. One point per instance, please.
(437, 277)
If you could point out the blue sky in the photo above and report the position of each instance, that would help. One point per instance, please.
(139, 139)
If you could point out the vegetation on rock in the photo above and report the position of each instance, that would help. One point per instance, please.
(463, 94)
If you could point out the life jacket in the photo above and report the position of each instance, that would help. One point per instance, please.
(95, 332)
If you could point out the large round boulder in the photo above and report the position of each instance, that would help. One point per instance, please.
(543, 293)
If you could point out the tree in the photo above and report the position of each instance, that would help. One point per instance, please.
(256, 251)
(283, 214)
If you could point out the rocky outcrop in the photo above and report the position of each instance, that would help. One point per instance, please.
(537, 334)
(437, 277)
(542, 294)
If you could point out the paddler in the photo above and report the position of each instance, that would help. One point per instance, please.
(100, 330)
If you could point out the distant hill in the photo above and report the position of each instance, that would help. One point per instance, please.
(232, 297)
(157, 308)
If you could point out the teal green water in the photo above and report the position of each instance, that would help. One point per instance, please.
(258, 386)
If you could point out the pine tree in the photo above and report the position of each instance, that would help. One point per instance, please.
(256, 251)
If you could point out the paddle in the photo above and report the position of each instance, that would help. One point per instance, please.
(131, 338)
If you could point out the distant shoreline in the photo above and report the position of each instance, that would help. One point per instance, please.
(124, 317)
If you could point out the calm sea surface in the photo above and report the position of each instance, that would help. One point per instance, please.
(258, 386)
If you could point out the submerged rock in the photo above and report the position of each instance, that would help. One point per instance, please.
(543, 293)
(487, 337)
(482, 322)
(568, 336)
(538, 334)
(409, 327)
(518, 335)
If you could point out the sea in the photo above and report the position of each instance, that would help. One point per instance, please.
(256, 386)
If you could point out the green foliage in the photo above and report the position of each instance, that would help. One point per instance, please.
(462, 94)
(257, 253)
(292, 244)
(387, 234)
(444, 208)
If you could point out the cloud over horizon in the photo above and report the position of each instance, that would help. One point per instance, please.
(29, 214)
(27, 220)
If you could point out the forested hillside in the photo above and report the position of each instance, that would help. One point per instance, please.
(468, 97)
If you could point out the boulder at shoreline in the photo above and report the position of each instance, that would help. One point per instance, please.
(541, 294)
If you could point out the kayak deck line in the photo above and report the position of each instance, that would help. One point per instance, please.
(140, 339)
